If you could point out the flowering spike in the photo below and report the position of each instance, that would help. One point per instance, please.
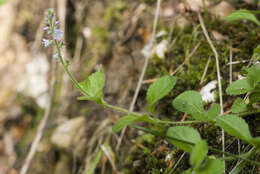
(46, 28)
(46, 42)
(56, 56)
(57, 35)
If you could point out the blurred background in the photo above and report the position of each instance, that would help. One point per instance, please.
(112, 33)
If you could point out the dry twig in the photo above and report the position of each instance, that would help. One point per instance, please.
(42, 124)
(138, 87)
(218, 73)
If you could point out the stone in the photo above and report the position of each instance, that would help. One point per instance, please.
(66, 133)
(222, 10)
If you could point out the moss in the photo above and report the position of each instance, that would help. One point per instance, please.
(242, 36)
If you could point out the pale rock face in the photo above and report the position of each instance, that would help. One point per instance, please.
(181, 21)
(34, 81)
(196, 5)
(206, 92)
(64, 135)
(222, 10)
(7, 17)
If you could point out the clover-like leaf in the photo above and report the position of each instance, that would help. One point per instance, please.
(243, 15)
(253, 76)
(212, 166)
(238, 106)
(254, 97)
(234, 126)
(93, 86)
(213, 112)
(159, 89)
(198, 154)
(256, 54)
(186, 134)
(209, 115)
(239, 87)
(189, 102)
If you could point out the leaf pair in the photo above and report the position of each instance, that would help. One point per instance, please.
(191, 142)
(191, 102)
(247, 84)
(159, 89)
(237, 127)
(93, 86)
(156, 91)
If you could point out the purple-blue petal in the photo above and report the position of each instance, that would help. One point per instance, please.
(46, 28)
(56, 56)
(57, 35)
(46, 42)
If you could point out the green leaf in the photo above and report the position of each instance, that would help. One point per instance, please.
(253, 76)
(239, 87)
(209, 115)
(93, 86)
(186, 134)
(122, 122)
(238, 106)
(255, 142)
(212, 166)
(213, 112)
(189, 171)
(2, 2)
(242, 15)
(159, 89)
(94, 163)
(127, 120)
(254, 97)
(234, 126)
(189, 102)
(198, 154)
(256, 54)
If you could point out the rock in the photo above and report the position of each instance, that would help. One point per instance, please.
(218, 36)
(36, 72)
(7, 17)
(222, 10)
(181, 21)
(196, 5)
(12, 62)
(63, 165)
(65, 134)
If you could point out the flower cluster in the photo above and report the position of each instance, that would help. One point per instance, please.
(55, 33)
(52, 29)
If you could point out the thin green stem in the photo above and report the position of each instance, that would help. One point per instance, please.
(180, 122)
(65, 67)
(120, 109)
(249, 113)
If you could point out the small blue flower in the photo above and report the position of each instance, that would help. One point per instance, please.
(46, 42)
(46, 28)
(57, 23)
(46, 19)
(56, 56)
(57, 35)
